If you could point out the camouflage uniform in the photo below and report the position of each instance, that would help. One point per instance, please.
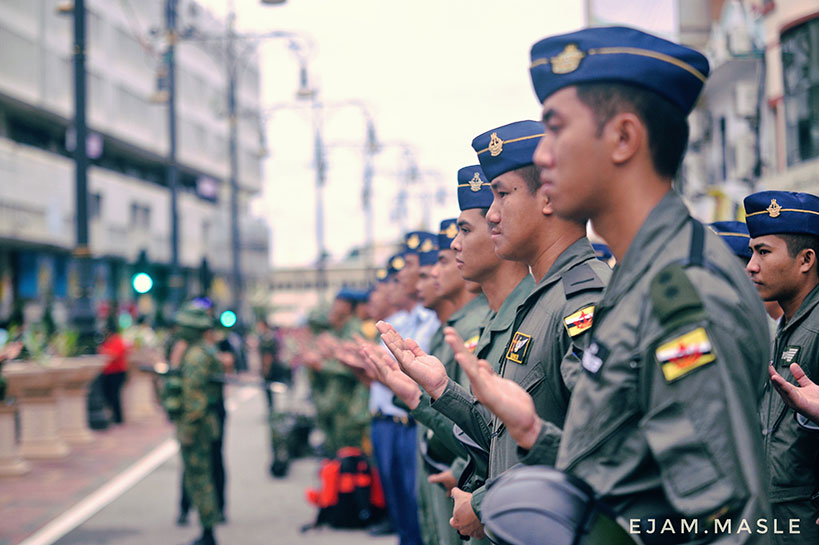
(341, 405)
(197, 427)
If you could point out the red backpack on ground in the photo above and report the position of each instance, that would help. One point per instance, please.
(350, 493)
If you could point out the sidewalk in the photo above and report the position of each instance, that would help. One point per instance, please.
(51, 487)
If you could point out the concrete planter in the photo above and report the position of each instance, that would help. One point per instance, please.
(34, 389)
(11, 464)
(72, 392)
(138, 395)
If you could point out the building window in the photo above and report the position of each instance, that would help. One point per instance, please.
(94, 206)
(800, 64)
(140, 216)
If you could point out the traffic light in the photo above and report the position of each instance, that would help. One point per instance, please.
(142, 280)
(227, 318)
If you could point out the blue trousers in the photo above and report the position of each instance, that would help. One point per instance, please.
(394, 447)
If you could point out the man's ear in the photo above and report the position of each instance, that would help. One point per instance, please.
(545, 202)
(625, 134)
(806, 260)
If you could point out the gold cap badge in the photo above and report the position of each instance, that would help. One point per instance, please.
(774, 209)
(381, 274)
(451, 231)
(475, 183)
(398, 263)
(495, 145)
(427, 246)
(567, 60)
(413, 242)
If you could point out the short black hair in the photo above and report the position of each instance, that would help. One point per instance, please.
(798, 242)
(666, 124)
(531, 176)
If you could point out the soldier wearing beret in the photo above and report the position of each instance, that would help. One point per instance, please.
(197, 426)
(662, 421)
(784, 229)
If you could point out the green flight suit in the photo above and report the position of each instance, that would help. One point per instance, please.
(662, 422)
(198, 427)
(435, 430)
(542, 355)
(790, 450)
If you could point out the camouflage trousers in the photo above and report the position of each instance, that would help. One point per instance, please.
(198, 481)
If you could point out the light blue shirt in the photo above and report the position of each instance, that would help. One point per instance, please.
(419, 324)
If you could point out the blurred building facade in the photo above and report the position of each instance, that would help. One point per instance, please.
(129, 208)
(757, 124)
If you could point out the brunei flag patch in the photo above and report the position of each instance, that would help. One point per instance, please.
(580, 321)
(472, 343)
(683, 354)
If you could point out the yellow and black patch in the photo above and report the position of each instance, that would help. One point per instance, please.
(472, 343)
(519, 347)
(681, 355)
(580, 321)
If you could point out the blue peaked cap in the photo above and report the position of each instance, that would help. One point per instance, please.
(428, 258)
(782, 212)
(736, 236)
(620, 55)
(447, 233)
(473, 188)
(416, 242)
(508, 147)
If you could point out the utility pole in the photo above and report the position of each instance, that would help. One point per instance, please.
(233, 122)
(320, 164)
(82, 315)
(175, 280)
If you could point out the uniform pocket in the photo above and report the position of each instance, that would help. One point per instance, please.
(691, 479)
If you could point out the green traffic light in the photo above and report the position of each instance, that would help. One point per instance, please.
(228, 318)
(142, 282)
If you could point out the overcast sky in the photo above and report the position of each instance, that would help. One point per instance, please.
(434, 74)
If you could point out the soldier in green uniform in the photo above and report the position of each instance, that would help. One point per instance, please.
(344, 396)
(784, 229)
(662, 421)
(197, 426)
(465, 311)
(550, 325)
(504, 283)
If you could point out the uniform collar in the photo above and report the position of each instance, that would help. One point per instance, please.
(805, 308)
(579, 251)
(665, 220)
(508, 310)
(475, 302)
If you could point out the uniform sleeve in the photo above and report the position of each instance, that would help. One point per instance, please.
(195, 380)
(544, 451)
(439, 424)
(464, 410)
(700, 419)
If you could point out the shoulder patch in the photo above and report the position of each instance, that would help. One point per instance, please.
(519, 347)
(579, 321)
(674, 299)
(581, 278)
(680, 355)
(471, 343)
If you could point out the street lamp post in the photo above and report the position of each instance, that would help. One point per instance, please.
(82, 314)
(174, 281)
(233, 135)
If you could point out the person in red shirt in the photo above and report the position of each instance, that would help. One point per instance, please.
(114, 372)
